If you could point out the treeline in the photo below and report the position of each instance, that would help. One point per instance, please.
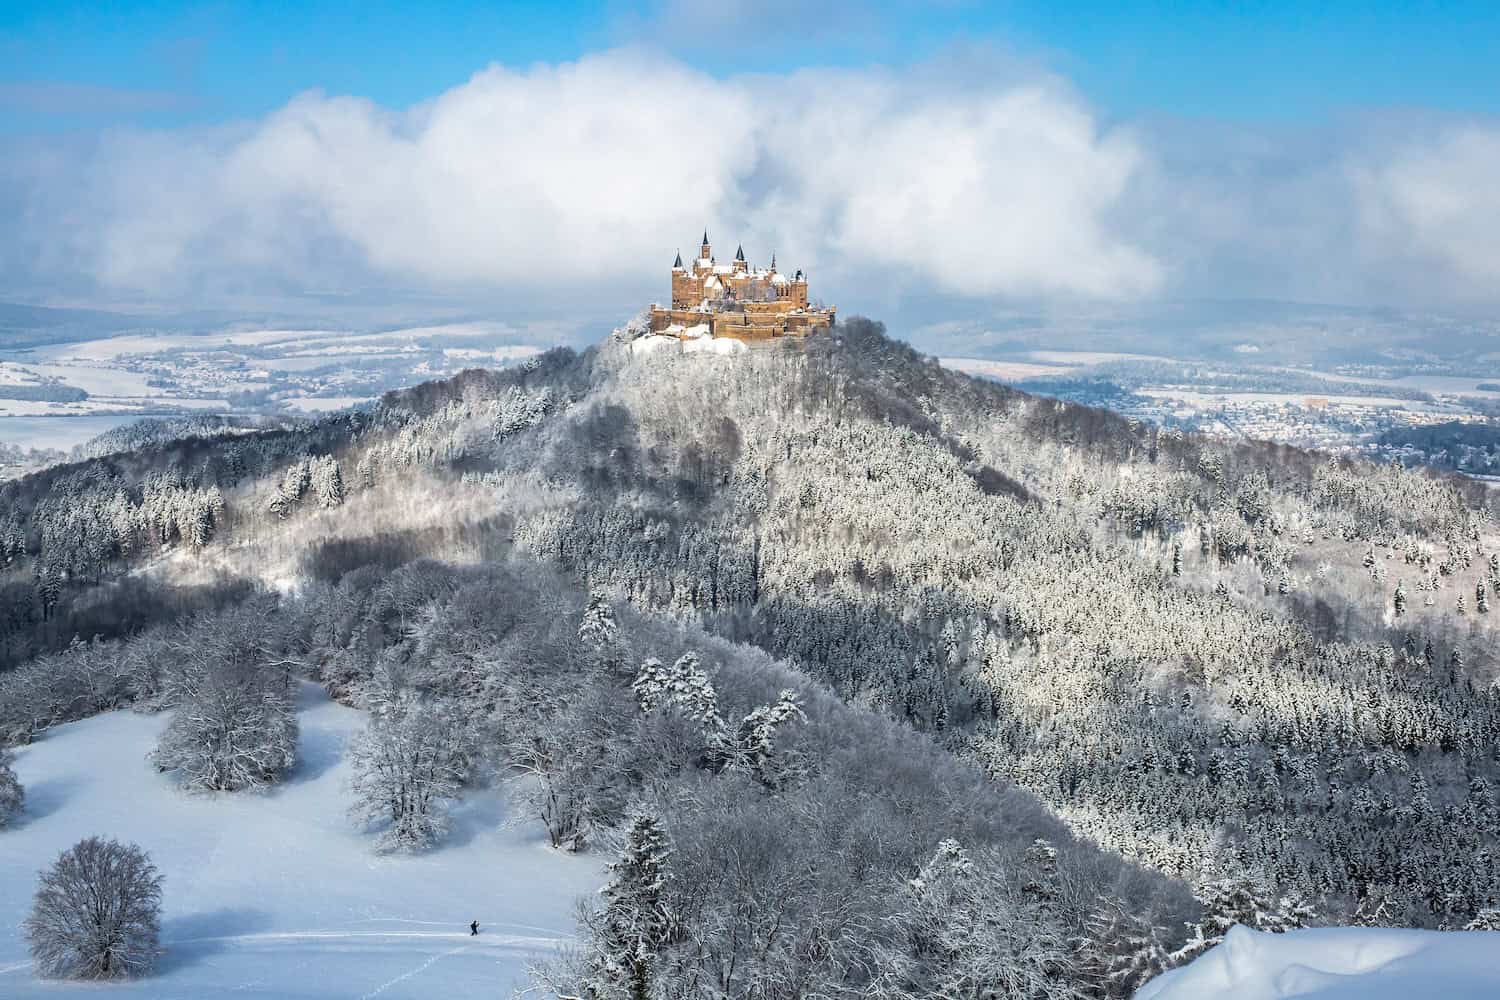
(43, 392)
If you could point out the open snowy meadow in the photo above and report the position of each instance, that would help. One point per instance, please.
(280, 894)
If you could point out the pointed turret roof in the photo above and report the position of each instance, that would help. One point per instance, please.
(678, 262)
(739, 254)
(773, 260)
(705, 237)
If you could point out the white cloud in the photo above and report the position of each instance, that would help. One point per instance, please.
(589, 174)
(575, 182)
(1434, 204)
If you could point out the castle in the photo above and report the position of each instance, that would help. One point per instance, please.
(736, 300)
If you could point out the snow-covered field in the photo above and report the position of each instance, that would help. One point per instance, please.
(57, 432)
(1339, 963)
(279, 895)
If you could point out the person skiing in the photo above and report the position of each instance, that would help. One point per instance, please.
(474, 928)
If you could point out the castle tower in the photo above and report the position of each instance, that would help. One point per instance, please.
(707, 252)
(740, 265)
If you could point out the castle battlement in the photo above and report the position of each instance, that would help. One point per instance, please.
(737, 300)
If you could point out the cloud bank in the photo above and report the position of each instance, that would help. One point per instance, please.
(578, 181)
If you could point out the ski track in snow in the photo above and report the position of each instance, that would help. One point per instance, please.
(414, 972)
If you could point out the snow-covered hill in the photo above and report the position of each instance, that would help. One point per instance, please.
(1339, 963)
(278, 895)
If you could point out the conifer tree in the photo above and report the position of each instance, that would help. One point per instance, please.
(635, 923)
(598, 628)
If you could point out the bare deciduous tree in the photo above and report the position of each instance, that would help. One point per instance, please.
(412, 757)
(97, 913)
(12, 795)
(235, 730)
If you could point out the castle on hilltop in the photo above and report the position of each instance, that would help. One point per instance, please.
(737, 300)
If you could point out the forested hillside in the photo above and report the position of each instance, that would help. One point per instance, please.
(1264, 672)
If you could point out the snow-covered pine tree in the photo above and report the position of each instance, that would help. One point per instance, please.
(364, 470)
(635, 922)
(597, 630)
(1487, 919)
(755, 743)
(1241, 899)
(328, 482)
(1041, 870)
(683, 686)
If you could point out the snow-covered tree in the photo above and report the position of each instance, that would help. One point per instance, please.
(565, 773)
(294, 483)
(755, 742)
(682, 686)
(1242, 899)
(635, 922)
(364, 470)
(598, 629)
(969, 934)
(97, 913)
(1119, 950)
(12, 795)
(1487, 919)
(235, 729)
(412, 757)
(327, 482)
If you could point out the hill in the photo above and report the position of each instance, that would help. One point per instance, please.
(1217, 662)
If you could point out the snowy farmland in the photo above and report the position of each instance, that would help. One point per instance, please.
(279, 895)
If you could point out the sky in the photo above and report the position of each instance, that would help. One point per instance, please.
(545, 157)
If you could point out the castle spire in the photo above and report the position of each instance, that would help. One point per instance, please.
(678, 262)
(739, 253)
(773, 261)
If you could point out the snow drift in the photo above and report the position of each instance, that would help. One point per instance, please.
(1338, 963)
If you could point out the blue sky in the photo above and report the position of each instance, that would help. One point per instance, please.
(173, 62)
(981, 155)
